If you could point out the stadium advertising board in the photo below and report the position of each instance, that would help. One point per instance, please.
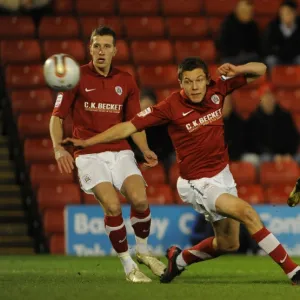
(86, 236)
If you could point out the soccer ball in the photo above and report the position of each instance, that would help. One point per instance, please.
(61, 72)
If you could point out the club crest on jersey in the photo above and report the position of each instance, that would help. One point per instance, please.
(118, 90)
(145, 112)
(58, 100)
(215, 99)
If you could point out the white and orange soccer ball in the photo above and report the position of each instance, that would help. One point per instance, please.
(61, 72)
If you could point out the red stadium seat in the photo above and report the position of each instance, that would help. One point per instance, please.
(48, 173)
(278, 193)
(122, 55)
(38, 150)
(155, 175)
(213, 71)
(253, 193)
(34, 125)
(187, 27)
(160, 194)
(286, 76)
(181, 7)
(219, 7)
(158, 76)
(127, 68)
(263, 21)
(289, 99)
(142, 52)
(63, 7)
(266, 7)
(94, 7)
(31, 101)
(243, 172)
(16, 27)
(57, 196)
(53, 221)
(173, 175)
(75, 48)
(205, 49)
(89, 23)
(296, 118)
(162, 94)
(139, 7)
(25, 76)
(279, 173)
(57, 244)
(58, 27)
(214, 25)
(144, 27)
(28, 51)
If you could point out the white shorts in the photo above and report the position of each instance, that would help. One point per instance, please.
(203, 193)
(113, 167)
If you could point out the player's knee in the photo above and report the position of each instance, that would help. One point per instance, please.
(139, 201)
(112, 209)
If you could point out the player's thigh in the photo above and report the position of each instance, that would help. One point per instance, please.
(107, 196)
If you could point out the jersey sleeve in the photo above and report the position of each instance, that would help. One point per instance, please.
(152, 116)
(133, 100)
(63, 103)
(228, 84)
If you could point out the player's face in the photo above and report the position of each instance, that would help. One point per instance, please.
(194, 84)
(287, 15)
(102, 50)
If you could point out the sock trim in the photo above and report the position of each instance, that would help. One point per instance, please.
(269, 243)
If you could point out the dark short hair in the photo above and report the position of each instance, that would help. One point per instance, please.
(104, 30)
(190, 64)
(290, 3)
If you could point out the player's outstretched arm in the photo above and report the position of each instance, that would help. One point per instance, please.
(118, 132)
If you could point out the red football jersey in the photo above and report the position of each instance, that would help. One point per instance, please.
(97, 103)
(196, 130)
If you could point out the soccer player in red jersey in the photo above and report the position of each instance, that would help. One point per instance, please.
(104, 97)
(195, 125)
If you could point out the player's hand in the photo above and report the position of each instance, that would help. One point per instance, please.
(151, 159)
(74, 142)
(64, 160)
(229, 70)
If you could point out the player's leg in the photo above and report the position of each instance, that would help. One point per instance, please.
(234, 207)
(294, 197)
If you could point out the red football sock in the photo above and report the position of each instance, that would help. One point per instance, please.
(269, 243)
(141, 222)
(116, 230)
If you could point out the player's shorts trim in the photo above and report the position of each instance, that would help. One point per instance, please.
(203, 193)
(113, 167)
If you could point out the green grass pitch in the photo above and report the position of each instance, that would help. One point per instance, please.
(101, 278)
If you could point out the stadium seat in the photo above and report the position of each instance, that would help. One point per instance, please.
(286, 76)
(253, 193)
(45, 173)
(57, 196)
(219, 7)
(187, 27)
(214, 25)
(263, 22)
(31, 101)
(138, 7)
(213, 71)
(144, 27)
(243, 172)
(57, 244)
(127, 68)
(158, 76)
(25, 76)
(142, 52)
(20, 51)
(58, 27)
(16, 27)
(34, 125)
(74, 48)
(296, 118)
(38, 151)
(279, 173)
(160, 194)
(278, 193)
(205, 49)
(53, 220)
(93, 7)
(173, 175)
(155, 175)
(63, 7)
(162, 94)
(181, 7)
(289, 99)
(266, 7)
(89, 23)
(122, 55)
